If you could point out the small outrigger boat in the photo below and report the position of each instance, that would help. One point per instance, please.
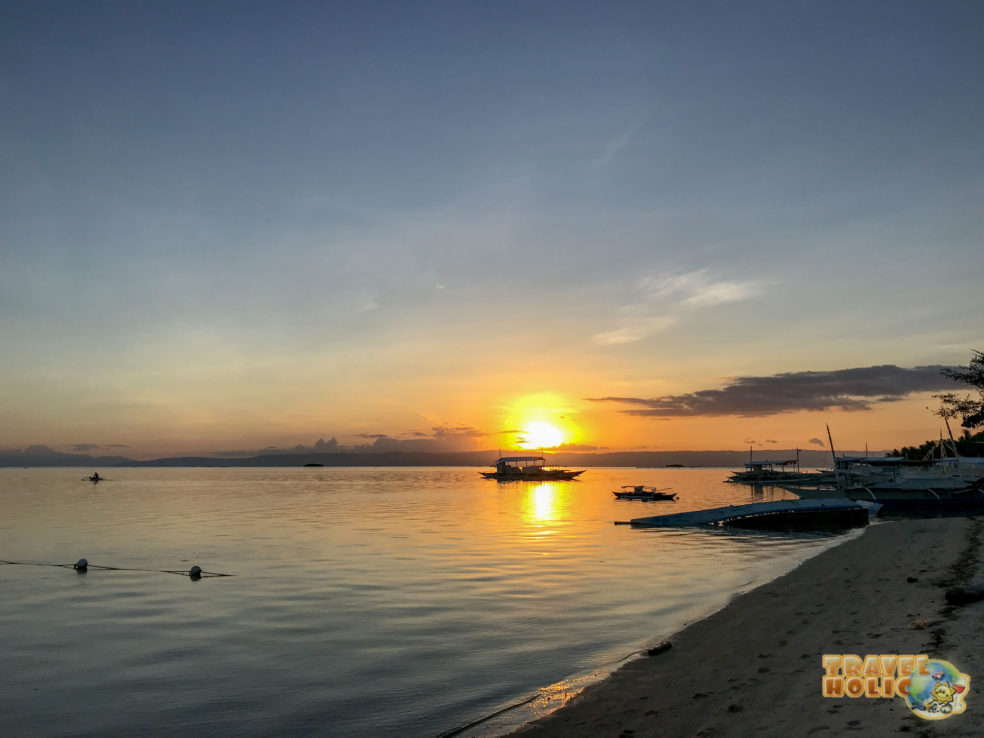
(639, 492)
(94, 478)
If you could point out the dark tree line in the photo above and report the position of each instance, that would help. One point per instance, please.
(968, 407)
(967, 445)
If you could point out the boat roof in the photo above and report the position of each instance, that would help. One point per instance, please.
(874, 459)
(784, 462)
(520, 458)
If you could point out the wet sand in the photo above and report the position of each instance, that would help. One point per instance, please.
(755, 666)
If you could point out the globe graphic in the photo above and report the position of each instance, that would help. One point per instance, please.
(921, 686)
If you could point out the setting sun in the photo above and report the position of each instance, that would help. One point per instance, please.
(541, 421)
(541, 435)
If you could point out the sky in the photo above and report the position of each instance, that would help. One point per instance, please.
(235, 225)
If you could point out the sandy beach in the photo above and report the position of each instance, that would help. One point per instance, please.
(755, 666)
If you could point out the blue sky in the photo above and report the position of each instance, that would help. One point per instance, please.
(239, 222)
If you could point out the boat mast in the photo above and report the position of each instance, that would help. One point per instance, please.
(956, 454)
(834, 457)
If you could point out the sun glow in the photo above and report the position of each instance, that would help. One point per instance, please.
(542, 421)
(538, 434)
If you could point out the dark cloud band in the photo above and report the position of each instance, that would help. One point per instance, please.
(851, 390)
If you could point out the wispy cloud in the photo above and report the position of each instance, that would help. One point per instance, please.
(613, 146)
(660, 299)
(461, 431)
(845, 389)
(719, 293)
(634, 330)
(697, 288)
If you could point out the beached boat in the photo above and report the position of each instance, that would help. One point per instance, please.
(899, 482)
(640, 492)
(922, 495)
(527, 469)
(911, 493)
(776, 515)
(921, 486)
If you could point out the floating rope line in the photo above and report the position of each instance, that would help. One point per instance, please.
(82, 565)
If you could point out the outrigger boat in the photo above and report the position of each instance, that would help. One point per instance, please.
(527, 469)
(948, 486)
(639, 492)
(777, 515)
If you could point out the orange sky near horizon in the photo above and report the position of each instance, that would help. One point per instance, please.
(891, 425)
(494, 423)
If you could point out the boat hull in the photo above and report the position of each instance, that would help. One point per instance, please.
(832, 514)
(537, 476)
(644, 497)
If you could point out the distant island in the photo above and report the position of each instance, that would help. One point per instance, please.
(41, 456)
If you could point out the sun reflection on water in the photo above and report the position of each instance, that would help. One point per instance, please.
(546, 507)
(542, 503)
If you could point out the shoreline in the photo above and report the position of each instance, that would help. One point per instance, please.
(537, 705)
(755, 665)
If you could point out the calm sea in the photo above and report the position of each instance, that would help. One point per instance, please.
(364, 602)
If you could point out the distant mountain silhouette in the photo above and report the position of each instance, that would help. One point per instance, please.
(44, 456)
(729, 459)
(360, 458)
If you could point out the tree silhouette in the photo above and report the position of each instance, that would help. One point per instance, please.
(967, 407)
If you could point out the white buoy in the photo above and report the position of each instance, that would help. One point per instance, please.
(195, 572)
(81, 565)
